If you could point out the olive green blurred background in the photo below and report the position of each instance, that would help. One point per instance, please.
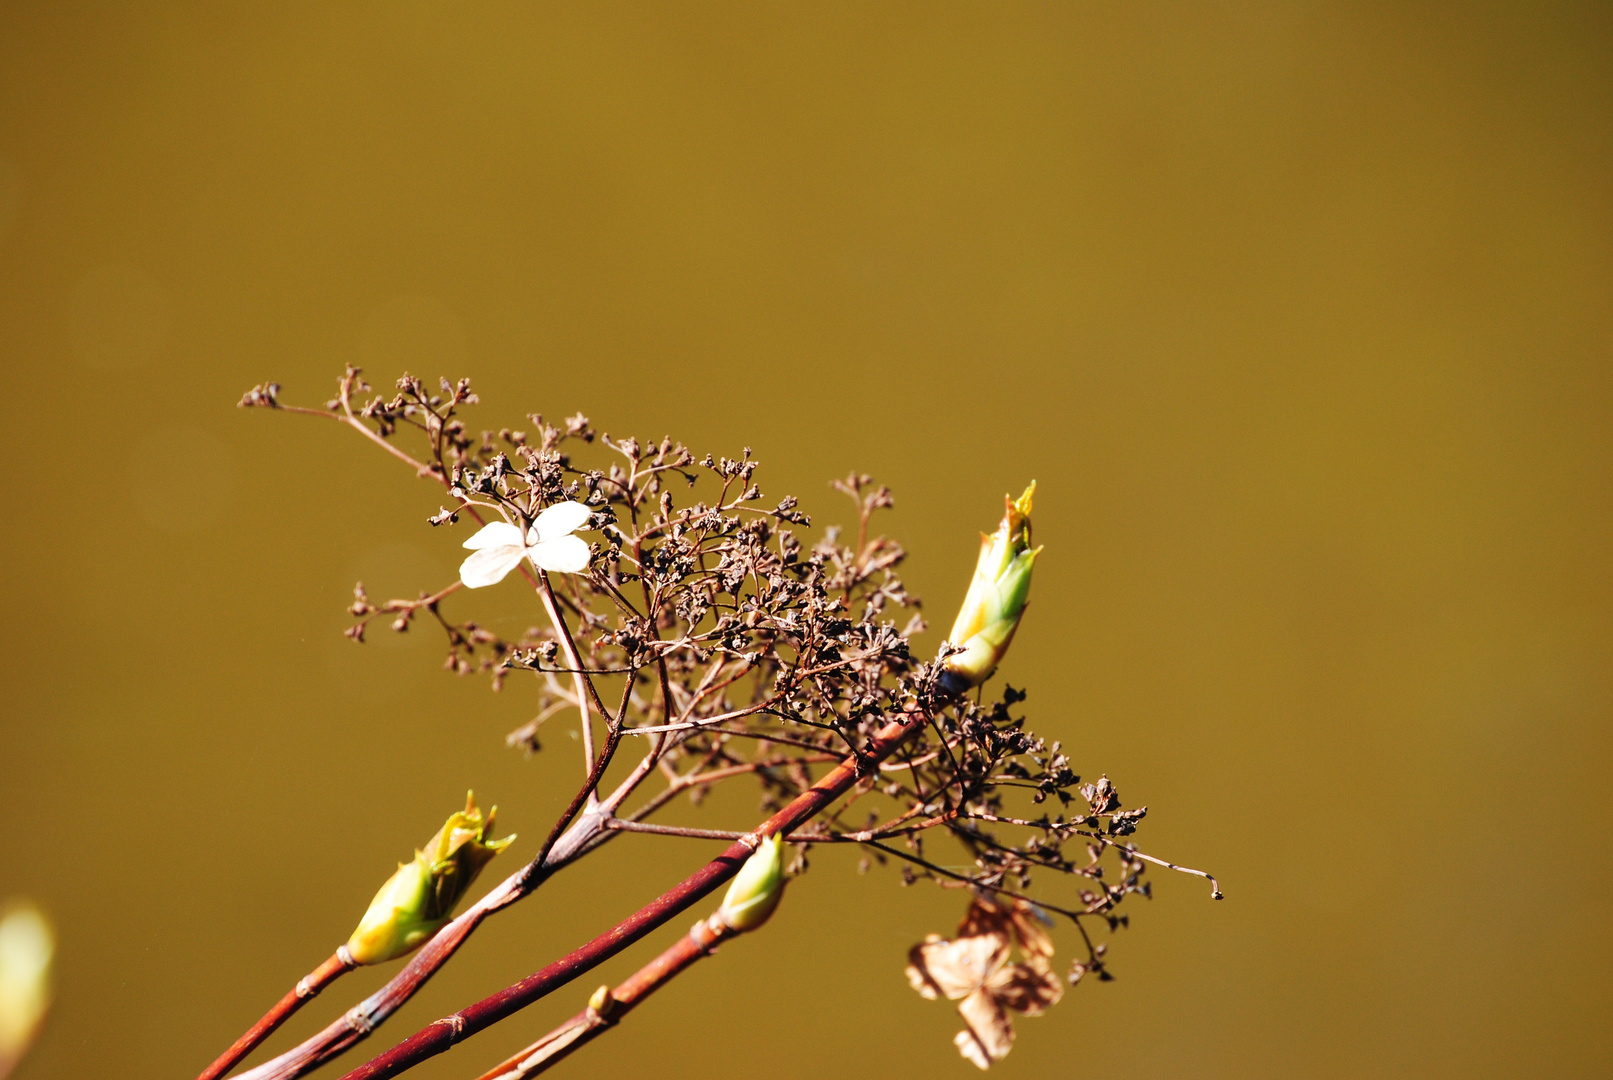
(1302, 315)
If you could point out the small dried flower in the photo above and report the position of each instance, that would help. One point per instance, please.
(500, 546)
(973, 970)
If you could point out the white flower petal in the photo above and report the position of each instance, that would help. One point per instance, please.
(497, 534)
(488, 566)
(563, 554)
(560, 519)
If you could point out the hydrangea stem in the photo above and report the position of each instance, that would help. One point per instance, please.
(600, 1016)
(442, 1034)
(339, 964)
(356, 1024)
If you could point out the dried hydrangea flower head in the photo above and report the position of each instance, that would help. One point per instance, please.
(709, 636)
(500, 546)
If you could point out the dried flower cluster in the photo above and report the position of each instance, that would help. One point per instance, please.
(706, 631)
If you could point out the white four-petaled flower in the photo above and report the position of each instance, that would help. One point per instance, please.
(500, 546)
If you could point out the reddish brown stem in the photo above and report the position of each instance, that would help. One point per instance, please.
(439, 1036)
(339, 964)
(701, 941)
(356, 1024)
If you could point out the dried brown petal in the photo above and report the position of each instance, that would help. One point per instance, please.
(955, 969)
(989, 1036)
(1028, 988)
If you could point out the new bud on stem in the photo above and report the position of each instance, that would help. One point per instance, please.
(997, 595)
(756, 888)
(416, 901)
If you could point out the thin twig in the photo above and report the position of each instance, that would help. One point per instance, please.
(439, 1036)
(701, 941)
(1215, 886)
(622, 825)
(307, 988)
(584, 684)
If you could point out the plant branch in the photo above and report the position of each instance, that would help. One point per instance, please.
(584, 685)
(353, 1026)
(621, 825)
(439, 1036)
(1215, 886)
(565, 841)
(602, 1015)
(307, 988)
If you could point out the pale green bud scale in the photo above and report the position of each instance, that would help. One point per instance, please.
(756, 888)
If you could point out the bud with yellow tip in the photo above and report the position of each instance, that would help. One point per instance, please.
(601, 1003)
(420, 897)
(27, 945)
(997, 595)
(756, 888)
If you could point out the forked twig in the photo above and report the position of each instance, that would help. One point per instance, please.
(442, 1034)
(339, 964)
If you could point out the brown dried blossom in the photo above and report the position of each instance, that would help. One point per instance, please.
(973, 969)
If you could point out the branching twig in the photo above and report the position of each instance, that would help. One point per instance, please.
(439, 1036)
(339, 964)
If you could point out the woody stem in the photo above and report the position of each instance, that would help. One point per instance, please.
(339, 964)
(579, 678)
(569, 838)
(701, 941)
(439, 1036)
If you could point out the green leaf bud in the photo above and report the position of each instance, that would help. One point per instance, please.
(601, 1003)
(756, 888)
(997, 595)
(420, 897)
